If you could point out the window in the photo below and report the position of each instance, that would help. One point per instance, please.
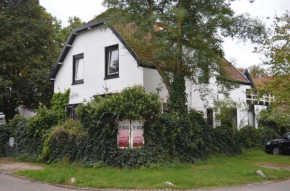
(251, 116)
(112, 62)
(209, 116)
(130, 134)
(70, 112)
(78, 69)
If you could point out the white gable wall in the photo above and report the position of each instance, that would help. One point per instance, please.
(92, 44)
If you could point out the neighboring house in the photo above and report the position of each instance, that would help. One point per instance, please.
(95, 61)
(25, 112)
(258, 103)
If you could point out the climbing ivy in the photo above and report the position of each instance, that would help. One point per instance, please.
(59, 101)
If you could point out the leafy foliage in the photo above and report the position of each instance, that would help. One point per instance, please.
(28, 47)
(257, 71)
(59, 101)
(250, 137)
(30, 134)
(276, 49)
(225, 141)
(4, 137)
(63, 141)
(276, 120)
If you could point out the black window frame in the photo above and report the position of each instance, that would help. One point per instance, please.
(107, 50)
(209, 116)
(70, 112)
(76, 57)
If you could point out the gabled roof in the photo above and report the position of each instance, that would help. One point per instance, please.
(137, 48)
(74, 34)
(234, 73)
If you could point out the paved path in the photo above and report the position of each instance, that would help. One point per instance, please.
(11, 183)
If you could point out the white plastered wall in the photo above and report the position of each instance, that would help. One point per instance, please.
(153, 83)
(200, 101)
(25, 112)
(92, 44)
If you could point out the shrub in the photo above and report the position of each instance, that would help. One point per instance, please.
(63, 141)
(277, 120)
(267, 134)
(225, 141)
(26, 143)
(250, 137)
(187, 137)
(4, 137)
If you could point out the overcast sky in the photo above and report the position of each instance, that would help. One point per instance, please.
(240, 52)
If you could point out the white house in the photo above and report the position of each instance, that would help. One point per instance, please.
(94, 61)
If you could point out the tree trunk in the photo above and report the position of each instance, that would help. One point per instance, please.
(178, 97)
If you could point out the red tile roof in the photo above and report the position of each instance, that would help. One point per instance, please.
(142, 49)
(262, 80)
(233, 72)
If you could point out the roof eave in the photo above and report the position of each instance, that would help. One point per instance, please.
(68, 45)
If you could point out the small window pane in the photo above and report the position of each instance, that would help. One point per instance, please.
(79, 69)
(138, 136)
(123, 136)
(69, 112)
(113, 62)
(209, 113)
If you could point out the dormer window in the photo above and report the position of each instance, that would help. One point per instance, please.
(112, 62)
(78, 69)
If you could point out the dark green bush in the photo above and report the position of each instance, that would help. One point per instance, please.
(4, 137)
(267, 134)
(225, 141)
(63, 141)
(187, 137)
(277, 120)
(27, 144)
(250, 137)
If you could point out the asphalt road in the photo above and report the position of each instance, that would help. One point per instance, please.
(267, 186)
(11, 183)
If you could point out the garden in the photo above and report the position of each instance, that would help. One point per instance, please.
(180, 144)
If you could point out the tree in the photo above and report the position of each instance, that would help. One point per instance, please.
(276, 48)
(28, 48)
(257, 71)
(183, 36)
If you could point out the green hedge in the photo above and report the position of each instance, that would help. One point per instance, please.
(169, 137)
(4, 137)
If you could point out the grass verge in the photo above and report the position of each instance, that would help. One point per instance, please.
(216, 172)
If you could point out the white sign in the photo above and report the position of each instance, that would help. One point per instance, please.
(11, 141)
(130, 133)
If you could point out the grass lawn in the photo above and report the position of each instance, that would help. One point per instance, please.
(215, 172)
